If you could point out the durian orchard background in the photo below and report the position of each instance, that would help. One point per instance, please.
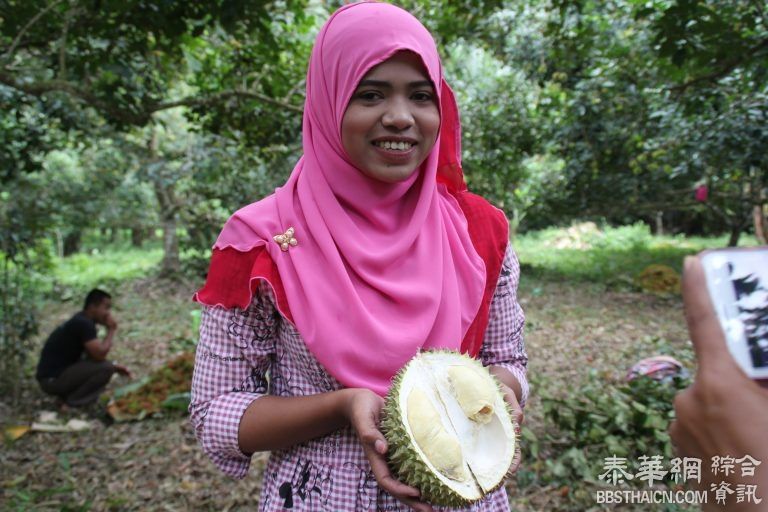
(616, 135)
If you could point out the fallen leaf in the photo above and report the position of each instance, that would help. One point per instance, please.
(16, 431)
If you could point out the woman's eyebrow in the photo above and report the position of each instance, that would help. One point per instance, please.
(384, 83)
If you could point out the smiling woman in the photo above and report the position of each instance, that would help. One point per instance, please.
(372, 251)
(392, 120)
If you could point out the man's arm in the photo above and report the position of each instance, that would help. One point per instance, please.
(98, 349)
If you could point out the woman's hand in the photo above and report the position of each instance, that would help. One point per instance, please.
(517, 416)
(511, 387)
(363, 410)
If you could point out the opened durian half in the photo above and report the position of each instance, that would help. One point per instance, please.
(449, 430)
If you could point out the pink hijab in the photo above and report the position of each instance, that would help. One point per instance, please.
(379, 270)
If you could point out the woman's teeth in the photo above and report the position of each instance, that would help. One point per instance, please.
(398, 146)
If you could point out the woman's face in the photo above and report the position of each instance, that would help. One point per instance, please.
(392, 120)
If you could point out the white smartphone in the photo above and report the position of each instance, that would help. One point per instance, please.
(737, 280)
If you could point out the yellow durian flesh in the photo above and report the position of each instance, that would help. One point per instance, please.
(475, 393)
(440, 447)
(486, 449)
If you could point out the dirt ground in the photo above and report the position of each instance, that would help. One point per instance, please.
(156, 464)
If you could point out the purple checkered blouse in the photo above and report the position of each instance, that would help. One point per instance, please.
(245, 354)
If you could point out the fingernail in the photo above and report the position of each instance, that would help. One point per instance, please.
(380, 447)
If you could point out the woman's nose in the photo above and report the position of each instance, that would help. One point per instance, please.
(398, 115)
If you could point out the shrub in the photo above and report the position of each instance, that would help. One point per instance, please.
(597, 420)
(18, 324)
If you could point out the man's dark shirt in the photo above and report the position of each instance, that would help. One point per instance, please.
(65, 346)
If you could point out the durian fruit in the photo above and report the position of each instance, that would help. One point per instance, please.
(450, 432)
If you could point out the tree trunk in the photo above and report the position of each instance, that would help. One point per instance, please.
(171, 265)
(59, 243)
(659, 223)
(169, 206)
(761, 224)
(733, 240)
(138, 235)
(72, 242)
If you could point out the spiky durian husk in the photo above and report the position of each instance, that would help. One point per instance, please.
(405, 460)
(403, 457)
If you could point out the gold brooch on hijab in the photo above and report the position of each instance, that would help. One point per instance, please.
(286, 239)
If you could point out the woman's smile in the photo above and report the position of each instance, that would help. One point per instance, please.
(396, 151)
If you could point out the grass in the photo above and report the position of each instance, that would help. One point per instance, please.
(107, 269)
(610, 256)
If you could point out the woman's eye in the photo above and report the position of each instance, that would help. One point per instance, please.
(422, 96)
(368, 95)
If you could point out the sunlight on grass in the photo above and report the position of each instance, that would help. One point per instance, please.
(611, 256)
(85, 271)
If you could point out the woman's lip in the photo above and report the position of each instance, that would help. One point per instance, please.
(395, 139)
(395, 155)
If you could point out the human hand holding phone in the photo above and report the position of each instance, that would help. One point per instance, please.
(724, 412)
(737, 281)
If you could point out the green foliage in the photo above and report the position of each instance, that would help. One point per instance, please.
(75, 275)
(642, 101)
(697, 38)
(612, 257)
(23, 254)
(122, 57)
(596, 420)
(497, 124)
(449, 21)
(18, 323)
(542, 179)
(26, 131)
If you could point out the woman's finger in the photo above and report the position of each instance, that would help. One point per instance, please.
(400, 491)
(515, 460)
(385, 479)
(404, 493)
(418, 506)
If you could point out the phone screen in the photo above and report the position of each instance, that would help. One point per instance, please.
(738, 284)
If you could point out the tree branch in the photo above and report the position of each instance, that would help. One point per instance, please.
(26, 27)
(726, 68)
(294, 90)
(192, 101)
(71, 13)
(758, 5)
(41, 88)
(127, 116)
